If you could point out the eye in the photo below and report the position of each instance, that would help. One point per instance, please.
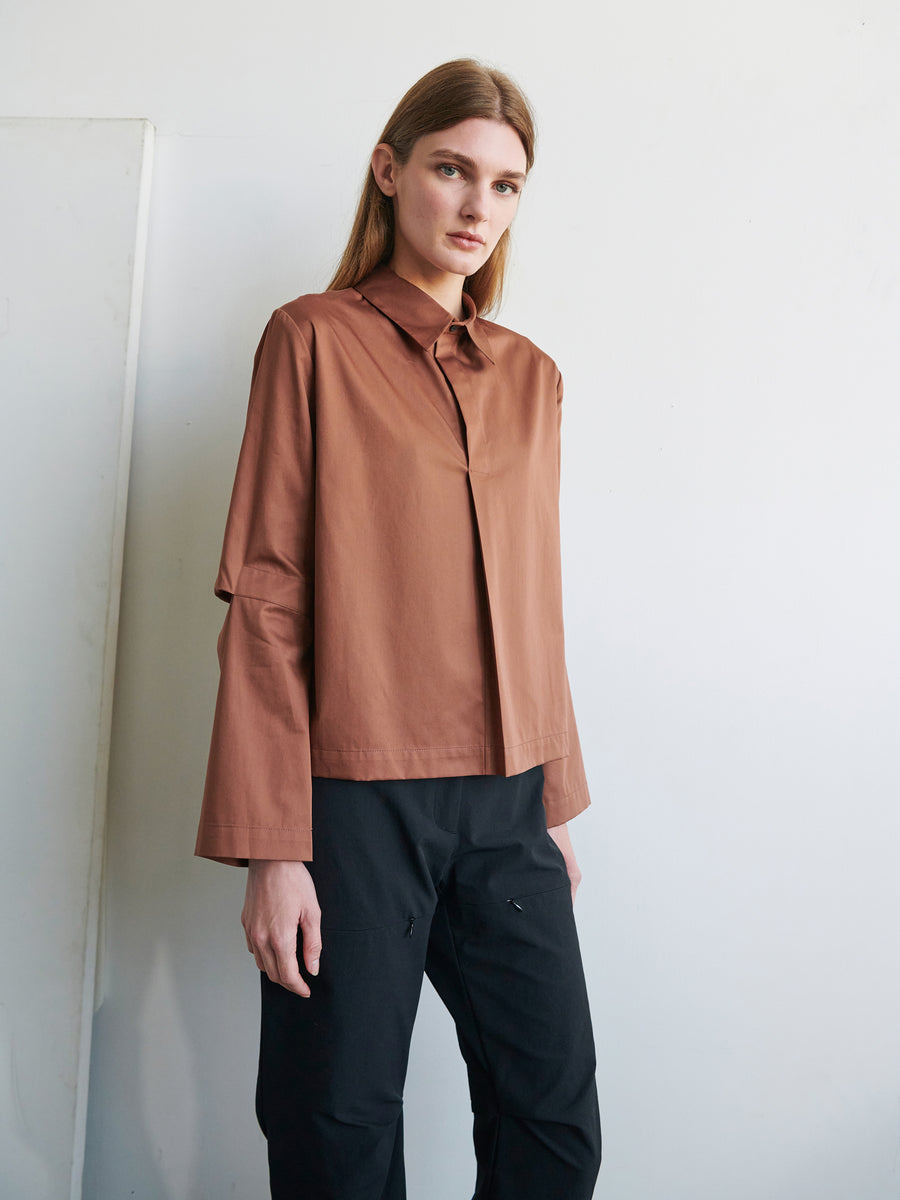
(508, 189)
(448, 170)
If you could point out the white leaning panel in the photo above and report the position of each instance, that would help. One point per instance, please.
(74, 206)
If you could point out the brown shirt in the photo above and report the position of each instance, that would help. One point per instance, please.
(392, 564)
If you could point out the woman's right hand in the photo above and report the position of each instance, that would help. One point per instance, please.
(280, 898)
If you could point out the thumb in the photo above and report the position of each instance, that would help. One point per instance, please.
(310, 927)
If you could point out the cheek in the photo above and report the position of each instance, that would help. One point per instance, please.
(421, 210)
(435, 205)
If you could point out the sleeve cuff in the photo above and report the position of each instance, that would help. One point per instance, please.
(235, 845)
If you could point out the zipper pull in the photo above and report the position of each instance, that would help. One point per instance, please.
(409, 930)
(515, 904)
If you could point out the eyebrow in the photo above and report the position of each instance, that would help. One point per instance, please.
(472, 164)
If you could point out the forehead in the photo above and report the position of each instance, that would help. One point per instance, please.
(494, 145)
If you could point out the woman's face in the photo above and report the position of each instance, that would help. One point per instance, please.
(453, 199)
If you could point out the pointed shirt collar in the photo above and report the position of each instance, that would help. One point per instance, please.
(417, 313)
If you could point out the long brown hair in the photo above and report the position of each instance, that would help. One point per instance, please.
(452, 92)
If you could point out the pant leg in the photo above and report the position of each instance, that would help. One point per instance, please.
(503, 955)
(333, 1066)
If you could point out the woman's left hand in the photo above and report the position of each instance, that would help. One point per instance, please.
(560, 835)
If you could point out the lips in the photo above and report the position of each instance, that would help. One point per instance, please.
(463, 238)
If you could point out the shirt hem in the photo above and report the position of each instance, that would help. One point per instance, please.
(428, 762)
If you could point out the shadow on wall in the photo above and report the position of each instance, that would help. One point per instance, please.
(174, 1043)
(24, 1172)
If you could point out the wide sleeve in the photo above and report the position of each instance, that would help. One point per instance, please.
(565, 782)
(257, 798)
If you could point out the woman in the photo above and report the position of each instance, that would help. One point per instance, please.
(393, 685)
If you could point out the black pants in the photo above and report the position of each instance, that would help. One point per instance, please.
(456, 877)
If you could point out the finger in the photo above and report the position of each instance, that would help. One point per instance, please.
(262, 943)
(311, 928)
(288, 969)
(266, 960)
(277, 957)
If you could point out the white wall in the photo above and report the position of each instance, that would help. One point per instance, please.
(710, 247)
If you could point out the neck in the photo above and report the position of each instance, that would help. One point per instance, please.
(446, 289)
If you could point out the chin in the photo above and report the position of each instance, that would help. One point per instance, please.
(466, 264)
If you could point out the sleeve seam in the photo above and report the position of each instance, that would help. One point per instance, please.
(279, 312)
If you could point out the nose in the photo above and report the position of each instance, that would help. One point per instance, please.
(475, 203)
